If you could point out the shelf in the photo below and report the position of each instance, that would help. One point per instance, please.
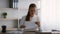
(9, 28)
(8, 19)
(10, 8)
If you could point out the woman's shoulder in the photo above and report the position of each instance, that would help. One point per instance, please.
(23, 18)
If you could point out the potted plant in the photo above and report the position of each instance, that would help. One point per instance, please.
(4, 14)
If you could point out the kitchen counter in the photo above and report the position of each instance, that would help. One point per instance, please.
(37, 33)
(27, 32)
(15, 31)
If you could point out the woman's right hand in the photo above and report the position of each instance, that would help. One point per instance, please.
(37, 23)
(22, 26)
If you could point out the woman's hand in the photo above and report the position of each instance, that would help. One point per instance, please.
(38, 23)
(22, 26)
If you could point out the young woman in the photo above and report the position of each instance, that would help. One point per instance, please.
(30, 20)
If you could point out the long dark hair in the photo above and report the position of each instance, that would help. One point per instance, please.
(28, 15)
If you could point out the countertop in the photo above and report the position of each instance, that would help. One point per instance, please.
(25, 32)
(15, 31)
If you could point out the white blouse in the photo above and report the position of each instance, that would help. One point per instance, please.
(29, 24)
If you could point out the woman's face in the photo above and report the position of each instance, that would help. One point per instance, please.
(32, 11)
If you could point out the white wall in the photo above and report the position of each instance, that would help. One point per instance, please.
(23, 6)
(11, 13)
(50, 15)
(9, 23)
(4, 3)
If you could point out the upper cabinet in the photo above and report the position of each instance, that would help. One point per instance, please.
(8, 3)
(13, 3)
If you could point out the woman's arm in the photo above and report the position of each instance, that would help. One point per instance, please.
(22, 21)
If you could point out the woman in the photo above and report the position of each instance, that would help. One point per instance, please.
(29, 21)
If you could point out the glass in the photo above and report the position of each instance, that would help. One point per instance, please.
(4, 28)
(38, 26)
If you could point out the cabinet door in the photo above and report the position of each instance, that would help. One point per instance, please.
(13, 3)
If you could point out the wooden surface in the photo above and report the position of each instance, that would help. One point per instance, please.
(8, 18)
(9, 28)
(45, 33)
(29, 33)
